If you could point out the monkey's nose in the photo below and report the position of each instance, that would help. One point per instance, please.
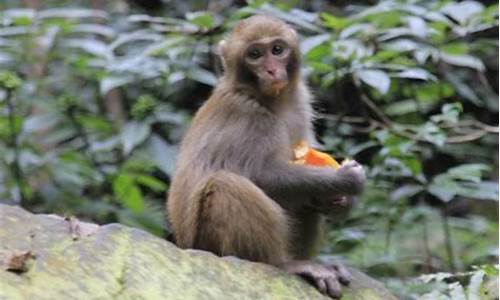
(271, 72)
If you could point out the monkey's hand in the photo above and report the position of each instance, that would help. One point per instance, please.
(326, 278)
(353, 176)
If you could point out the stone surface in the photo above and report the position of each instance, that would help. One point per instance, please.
(49, 257)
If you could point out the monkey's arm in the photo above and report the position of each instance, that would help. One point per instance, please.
(288, 180)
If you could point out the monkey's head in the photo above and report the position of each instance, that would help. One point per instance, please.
(262, 52)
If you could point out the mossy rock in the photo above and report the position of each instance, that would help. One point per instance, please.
(49, 257)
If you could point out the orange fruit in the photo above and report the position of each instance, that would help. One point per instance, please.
(317, 158)
(309, 156)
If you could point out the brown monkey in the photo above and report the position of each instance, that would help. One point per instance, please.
(235, 191)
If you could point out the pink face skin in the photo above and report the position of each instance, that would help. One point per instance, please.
(268, 59)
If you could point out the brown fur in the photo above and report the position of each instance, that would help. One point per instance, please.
(235, 191)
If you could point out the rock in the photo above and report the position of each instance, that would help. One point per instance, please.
(49, 257)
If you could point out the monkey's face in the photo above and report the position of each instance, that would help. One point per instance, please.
(268, 60)
(262, 53)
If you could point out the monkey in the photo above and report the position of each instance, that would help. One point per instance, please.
(235, 191)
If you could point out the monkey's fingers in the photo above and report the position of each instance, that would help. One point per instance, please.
(333, 285)
(340, 201)
(349, 163)
(320, 284)
(343, 274)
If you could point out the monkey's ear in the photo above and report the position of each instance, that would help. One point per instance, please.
(293, 31)
(221, 51)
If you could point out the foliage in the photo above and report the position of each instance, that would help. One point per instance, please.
(93, 104)
(476, 289)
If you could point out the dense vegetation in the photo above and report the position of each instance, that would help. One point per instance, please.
(94, 98)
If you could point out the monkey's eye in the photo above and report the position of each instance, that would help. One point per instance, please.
(277, 50)
(254, 53)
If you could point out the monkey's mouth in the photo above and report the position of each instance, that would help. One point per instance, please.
(278, 85)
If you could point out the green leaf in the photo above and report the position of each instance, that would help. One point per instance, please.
(40, 122)
(434, 91)
(474, 288)
(385, 56)
(134, 37)
(6, 128)
(162, 154)
(432, 133)
(127, 191)
(10, 16)
(385, 18)
(463, 88)
(463, 180)
(110, 82)
(486, 190)
(9, 80)
(74, 168)
(438, 277)
(402, 107)
(319, 52)
(289, 17)
(103, 30)
(355, 28)
(415, 73)
(333, 22)
(468, 172)
(23, 21)
(455, 48)
(457, 291)
(462, 11)
(375, 78)
(450, 113)
(201, 19)
(151, 219)
(490, 14)
(105, 145)
(443, 188)
(421, 55)
(151, 182)
(72, 13)
(462, 61)
(203, 76)
(490, 270)
(312, 42)
(91, 46)
(413, 164)
(320, 67)
(144, 106)
(454, 108)
(95, 123)
(133, 134)
(417, 26)
(6, 58)
(352, 151)
(406, 191)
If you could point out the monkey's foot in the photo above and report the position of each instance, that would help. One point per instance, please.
(326, 278)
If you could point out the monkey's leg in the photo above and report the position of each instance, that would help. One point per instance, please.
(236, 218)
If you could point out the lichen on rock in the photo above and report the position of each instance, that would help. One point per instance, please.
(69, 259)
